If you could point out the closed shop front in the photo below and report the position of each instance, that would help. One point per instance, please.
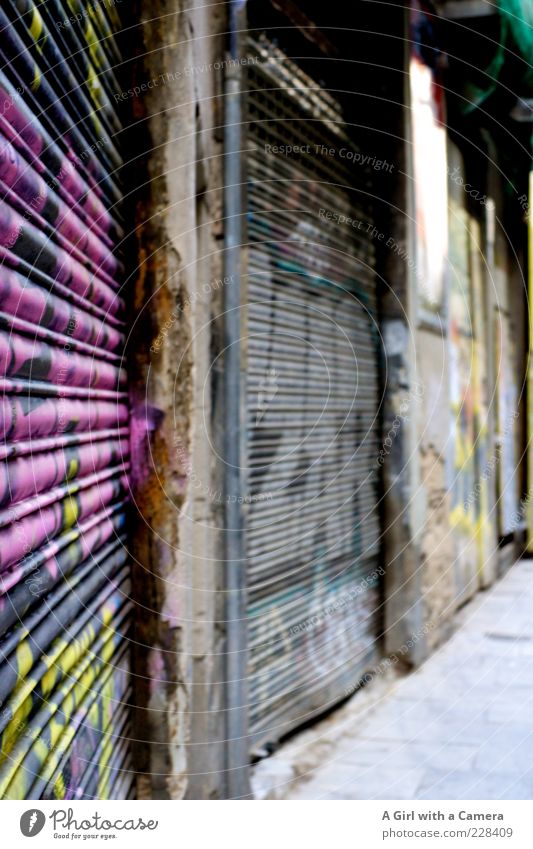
(312, 427)
(465, 492)
(64, 575)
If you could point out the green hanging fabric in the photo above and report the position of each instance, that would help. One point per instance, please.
(515, 38)
(518, 15)
(476, 94)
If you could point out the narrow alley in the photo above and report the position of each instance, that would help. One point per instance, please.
(266, 407)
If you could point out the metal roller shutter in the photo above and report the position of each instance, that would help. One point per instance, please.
(64, 575)
(312, 454)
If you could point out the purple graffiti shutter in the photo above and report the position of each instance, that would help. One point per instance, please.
(64, 575)
(312, 457)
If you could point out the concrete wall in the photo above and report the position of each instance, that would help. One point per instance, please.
(176, 303)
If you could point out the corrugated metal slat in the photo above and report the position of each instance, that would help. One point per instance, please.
(65, 605)
(312, 523)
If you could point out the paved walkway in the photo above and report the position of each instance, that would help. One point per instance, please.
(461, 727)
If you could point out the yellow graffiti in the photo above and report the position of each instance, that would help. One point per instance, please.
(24, 658)
(36, 82)
(36, 26)
(70, 512)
